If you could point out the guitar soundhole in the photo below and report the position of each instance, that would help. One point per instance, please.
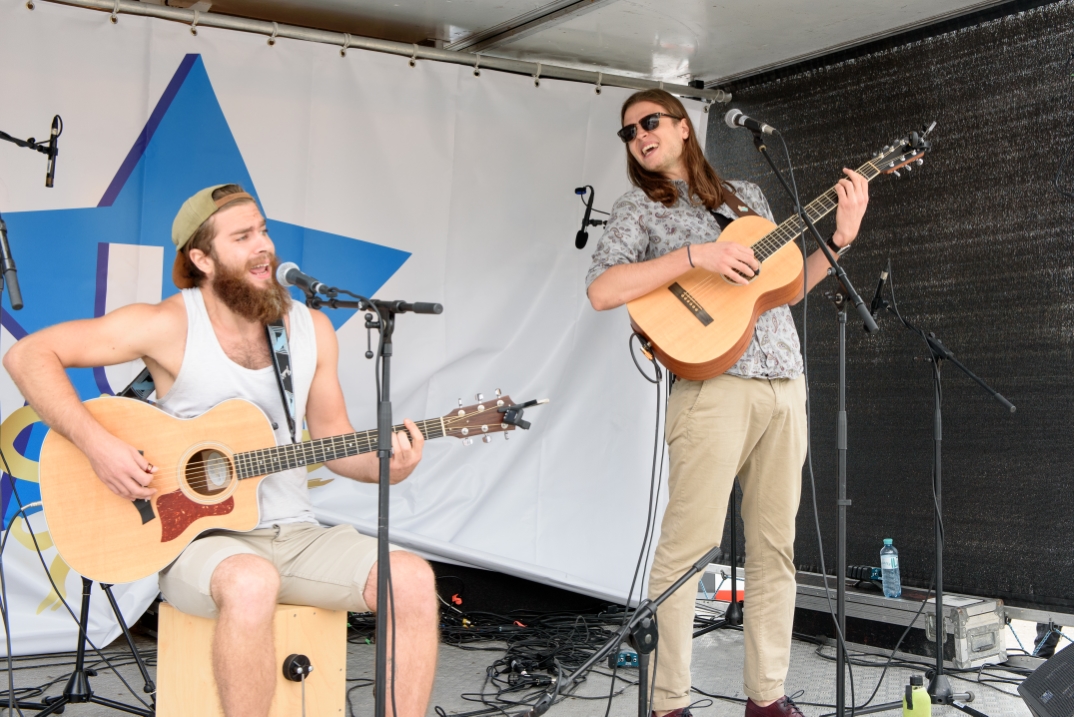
(209, 472)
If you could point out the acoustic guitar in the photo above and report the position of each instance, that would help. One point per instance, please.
(209, 469)
(700, 324)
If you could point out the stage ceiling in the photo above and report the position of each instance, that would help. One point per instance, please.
(670, 40)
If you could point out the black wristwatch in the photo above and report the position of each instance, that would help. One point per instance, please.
(836, 249)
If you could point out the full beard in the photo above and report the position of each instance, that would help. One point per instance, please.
(234, 290)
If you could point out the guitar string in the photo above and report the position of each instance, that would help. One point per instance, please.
(305, 452)
(244, 462)
(198, 479)
(767, 246)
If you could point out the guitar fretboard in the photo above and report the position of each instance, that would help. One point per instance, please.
(281, 458)
(792, 228)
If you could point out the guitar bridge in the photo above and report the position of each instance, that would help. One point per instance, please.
(690, 303)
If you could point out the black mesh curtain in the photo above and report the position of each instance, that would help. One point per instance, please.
(981, 242)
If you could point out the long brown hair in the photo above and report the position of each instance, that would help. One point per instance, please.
(701, 178)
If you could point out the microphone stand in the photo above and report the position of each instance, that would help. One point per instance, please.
(732, 616)
(837, 270)
(642, 632)
(842, 503)
(384, 321)
(7, 262)
(940, 687)
(50, 148)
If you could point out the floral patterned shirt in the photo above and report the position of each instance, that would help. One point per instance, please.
(640, 229)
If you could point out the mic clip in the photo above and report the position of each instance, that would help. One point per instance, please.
(371, 323)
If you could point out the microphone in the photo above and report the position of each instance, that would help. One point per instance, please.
(735, 118)
(7, 269)
(53, 149)
(877, 301)
(288, 274)
(418, 307)
(876, 304)
(583, 236)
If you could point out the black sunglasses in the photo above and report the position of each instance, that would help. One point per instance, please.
(648, 123)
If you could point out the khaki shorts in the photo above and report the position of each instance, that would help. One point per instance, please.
(318, 566)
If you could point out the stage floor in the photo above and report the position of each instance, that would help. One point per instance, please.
(717, 669)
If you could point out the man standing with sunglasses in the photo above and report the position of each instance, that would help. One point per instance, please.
(749, 422)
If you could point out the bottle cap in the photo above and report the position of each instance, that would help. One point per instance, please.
(917, 681)
(887, 541)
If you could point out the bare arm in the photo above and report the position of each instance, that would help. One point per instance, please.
(853, 193)
(37, 364)
(326, 415)
(626, 282)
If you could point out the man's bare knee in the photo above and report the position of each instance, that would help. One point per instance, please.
(246, 581)
(413, 584)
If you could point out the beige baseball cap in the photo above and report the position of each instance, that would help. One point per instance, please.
(195, 212)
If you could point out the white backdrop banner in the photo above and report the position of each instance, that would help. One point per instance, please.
(423, 183)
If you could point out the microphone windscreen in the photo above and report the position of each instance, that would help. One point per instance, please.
(283, 270)
(580, 239)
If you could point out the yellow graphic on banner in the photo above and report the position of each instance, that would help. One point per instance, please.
(22, 468)
(58, 571)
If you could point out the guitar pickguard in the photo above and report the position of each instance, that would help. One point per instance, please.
(177, 512)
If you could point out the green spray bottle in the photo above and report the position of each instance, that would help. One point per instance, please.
(917, 702)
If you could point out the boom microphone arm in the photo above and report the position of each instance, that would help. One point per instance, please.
(50, 148)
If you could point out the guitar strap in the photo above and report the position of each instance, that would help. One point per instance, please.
(737, 206)
(140, 387)
(281, 361)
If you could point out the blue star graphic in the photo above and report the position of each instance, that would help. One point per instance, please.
(186, 145)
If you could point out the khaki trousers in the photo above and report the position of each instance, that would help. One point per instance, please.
(717, 429)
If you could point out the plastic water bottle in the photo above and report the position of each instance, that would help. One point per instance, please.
(889, 568)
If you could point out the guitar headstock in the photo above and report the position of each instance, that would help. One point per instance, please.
(482, 419)
(900, 153)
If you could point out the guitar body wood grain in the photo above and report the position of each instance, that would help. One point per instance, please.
(105, 537)
(673, 316)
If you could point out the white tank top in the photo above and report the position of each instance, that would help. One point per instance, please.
(208, 377)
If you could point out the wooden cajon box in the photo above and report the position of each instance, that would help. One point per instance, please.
(186, 685)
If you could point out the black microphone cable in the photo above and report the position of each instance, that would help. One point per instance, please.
(41, 557)
(659, 448)
(582, 236)
(809, 426)
(388, 579)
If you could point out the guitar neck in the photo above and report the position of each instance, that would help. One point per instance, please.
(793, 227)
(294, 455)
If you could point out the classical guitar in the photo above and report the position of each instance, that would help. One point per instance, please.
(209, 470)
(700, 324)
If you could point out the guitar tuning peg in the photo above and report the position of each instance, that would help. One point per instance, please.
(908, 168)
(480, 397)
(467, 441)
(919, 162)
(460, 403)
(896, 173)
(498, 393)
(486, 439)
